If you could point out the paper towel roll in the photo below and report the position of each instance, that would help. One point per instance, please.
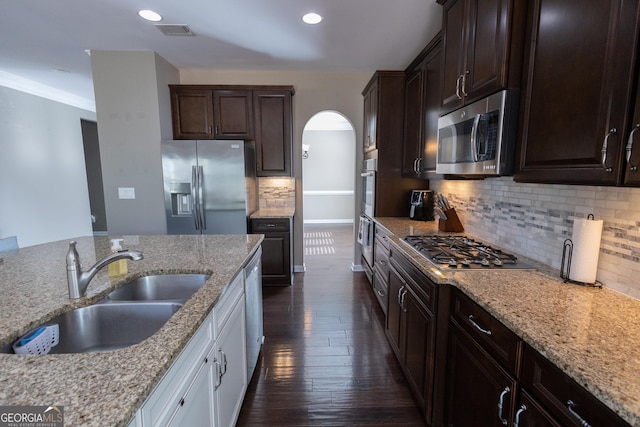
(586, 249)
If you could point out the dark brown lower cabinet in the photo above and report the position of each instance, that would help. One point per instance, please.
(479, 391)
(411, 329)
(276, 250)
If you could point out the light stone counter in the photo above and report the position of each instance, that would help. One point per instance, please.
(591, 334)
(105, 389)
(271, 213)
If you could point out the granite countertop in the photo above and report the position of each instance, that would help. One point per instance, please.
(273, 213)
(591, 334)
(105, 389)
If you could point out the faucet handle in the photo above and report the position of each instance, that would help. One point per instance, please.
(73, 259)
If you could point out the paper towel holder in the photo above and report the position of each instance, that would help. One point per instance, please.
(567, 253)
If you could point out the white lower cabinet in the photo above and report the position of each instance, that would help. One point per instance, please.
(206, 384)
(230, 353)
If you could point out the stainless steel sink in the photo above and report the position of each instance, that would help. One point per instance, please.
(104, 327)
(163, 287)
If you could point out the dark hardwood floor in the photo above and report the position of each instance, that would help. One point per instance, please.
(326, 360)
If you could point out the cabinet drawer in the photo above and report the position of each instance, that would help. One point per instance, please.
(269, 225)
(381, 290)
(493, 336)
(425, 289)
(382, 237)
(227, 300)
(381, 260)
(564, 398)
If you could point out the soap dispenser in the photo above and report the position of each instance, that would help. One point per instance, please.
(117, 268)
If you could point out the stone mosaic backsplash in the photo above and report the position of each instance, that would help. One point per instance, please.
(535, 219)
(277, 193)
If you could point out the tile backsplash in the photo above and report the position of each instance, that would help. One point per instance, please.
(277, 193)
(533, 220)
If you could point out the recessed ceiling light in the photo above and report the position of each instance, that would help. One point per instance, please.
(150, 15)
(312, 18)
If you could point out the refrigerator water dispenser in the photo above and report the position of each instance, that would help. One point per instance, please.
(181, 199)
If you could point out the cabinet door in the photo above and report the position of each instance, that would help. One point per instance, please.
(479, 391)
(273, 132)
(371, 118)
(196, 407)
(230, 351)
(397, 286)
(192, 113)
(276, 260)
(413, 120)
(233, 112)
(419, 327)
(486, 63)
(632, 148)
(529, 413)
(453, 36)
(577, 90)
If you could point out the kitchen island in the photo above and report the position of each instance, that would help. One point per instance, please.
(105, 389)
(590, 334)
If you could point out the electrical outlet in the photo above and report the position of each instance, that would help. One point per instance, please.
(126, 193)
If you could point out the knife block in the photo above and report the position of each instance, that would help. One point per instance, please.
(452, 223)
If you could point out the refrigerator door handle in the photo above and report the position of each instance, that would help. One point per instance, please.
(203, 223)
(194, 197)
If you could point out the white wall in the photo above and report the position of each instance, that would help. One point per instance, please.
(315, 92)
(43, 183)
(328, 176)
(134, 115)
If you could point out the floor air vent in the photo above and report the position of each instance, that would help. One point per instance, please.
(174, 30)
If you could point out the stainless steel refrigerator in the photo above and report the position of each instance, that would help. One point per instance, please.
(209, 186)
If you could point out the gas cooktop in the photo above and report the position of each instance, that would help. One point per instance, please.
(463, 253)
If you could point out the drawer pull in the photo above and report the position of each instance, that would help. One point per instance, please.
(581, 421)
(383, 263)
(506, 390)
(380, 293)
(478, 327)
(521, 411)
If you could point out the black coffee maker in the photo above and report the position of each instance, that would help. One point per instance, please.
(421, 205)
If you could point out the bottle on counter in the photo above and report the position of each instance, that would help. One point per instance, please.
(117, 268)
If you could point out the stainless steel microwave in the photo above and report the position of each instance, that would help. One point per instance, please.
(479, 139)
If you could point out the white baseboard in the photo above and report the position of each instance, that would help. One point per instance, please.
(356, 267)
(299, 268)
(329, 221)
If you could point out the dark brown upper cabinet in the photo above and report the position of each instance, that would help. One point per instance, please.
(192, 113)
(422, 107)
(273, 132)
(233, 114)
(370, 116)
(579, 84)
(482, 44)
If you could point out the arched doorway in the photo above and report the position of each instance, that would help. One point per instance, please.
(328, 181)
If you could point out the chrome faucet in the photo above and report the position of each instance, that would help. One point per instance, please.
(79, 280)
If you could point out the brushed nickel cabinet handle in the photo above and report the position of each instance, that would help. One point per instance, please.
(632, 167)
(458, 86)
(464, 83)
(506, 390)
(581, 421)
(521, 411)
(605, 146)
(472, 320)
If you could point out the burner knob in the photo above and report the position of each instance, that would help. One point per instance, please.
(465, 263)
(484, 262)
(453, 263)
(497, 262)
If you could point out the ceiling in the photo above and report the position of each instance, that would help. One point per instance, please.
(43, 43)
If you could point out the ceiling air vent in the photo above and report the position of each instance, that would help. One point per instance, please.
(174, 30)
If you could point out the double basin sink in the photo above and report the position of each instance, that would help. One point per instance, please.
(126, 316)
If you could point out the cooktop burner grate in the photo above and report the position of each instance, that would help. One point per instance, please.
(462, 252)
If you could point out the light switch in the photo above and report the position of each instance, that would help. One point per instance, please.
(126, 193)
